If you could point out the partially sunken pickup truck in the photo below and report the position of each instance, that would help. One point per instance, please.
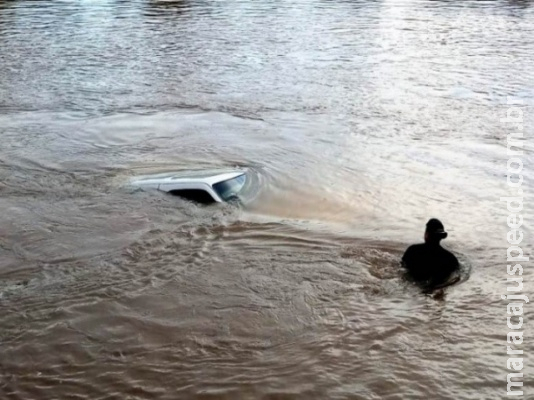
(201, 186)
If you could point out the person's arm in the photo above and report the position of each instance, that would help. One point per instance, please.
(406, 258)
(455, 264)
(444, 276)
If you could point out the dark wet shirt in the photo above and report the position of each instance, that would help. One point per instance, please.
(430, 263)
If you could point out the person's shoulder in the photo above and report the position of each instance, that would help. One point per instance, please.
(450, 255)
(443, 249)
(414, 248)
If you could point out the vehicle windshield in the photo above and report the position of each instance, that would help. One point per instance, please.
(231, 187)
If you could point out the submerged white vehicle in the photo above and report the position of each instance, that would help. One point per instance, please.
(201, 186)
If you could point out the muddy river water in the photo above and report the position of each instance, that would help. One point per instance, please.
(357, 121)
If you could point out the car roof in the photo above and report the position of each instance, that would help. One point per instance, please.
(193, 177)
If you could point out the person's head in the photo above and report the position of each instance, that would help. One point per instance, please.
(434, 231)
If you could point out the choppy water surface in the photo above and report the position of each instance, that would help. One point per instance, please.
(358, 120)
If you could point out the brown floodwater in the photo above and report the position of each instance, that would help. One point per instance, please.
(357, 121)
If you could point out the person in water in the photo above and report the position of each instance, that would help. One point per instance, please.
(428, 263)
